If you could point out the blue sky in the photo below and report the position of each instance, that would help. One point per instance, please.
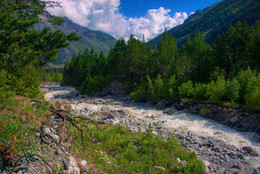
(120, 18)
(138, 8)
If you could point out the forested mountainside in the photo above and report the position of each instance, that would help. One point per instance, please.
(214, 20)
(96, 40)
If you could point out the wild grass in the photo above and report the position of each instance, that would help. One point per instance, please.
(18, 120)
(117, 150)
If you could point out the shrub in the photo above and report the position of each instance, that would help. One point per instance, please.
(186, 89)
(94, 84)
(204, 111)
(139, 94)
(243, 79)
(200, 91)
(252, 96)
(232, 89)
(216, 89)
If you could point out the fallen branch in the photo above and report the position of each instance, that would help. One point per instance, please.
(74, 122)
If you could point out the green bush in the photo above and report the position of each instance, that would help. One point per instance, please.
(200, 91)
(243, 79)
(186, 89)
(204, 111)
(232, 90)
(139, 94)
(252, 96)
(216, 89)
(91, 85)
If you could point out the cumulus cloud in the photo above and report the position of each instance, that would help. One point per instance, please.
(104, 15)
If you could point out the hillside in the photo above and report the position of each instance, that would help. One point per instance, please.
(96, 40)
(214, 19)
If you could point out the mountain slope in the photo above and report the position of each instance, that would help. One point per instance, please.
(96, 40)
(215, 19)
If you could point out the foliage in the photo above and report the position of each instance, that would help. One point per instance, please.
(204, 111)
(117, 150)
(186, 89)
(200, 92)
(198, 71)
(18, 119)
(22, 48)
(51, 75)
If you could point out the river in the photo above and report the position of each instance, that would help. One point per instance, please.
(146, 114)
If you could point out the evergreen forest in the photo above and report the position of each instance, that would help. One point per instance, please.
(226, 72)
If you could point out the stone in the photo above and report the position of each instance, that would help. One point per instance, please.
(159, 168)
(71, 166)
(239, 172)
(236, 106)
(115, 88)
(184, 163)
(250, 151)
(234, 120)
(169, 111)
(63, 105)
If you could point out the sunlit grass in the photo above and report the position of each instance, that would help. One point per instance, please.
(117, 150)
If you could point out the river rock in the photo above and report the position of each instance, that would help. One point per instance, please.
(169, 111)
(250, 151)
(234, 120)
(71, 166)
(63, 105)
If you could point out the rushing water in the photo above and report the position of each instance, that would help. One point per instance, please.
(177, 120)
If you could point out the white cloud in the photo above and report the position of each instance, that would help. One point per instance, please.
(104, 15)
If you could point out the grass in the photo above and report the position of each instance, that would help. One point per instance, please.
(117, 150)
(18, 120)
(204, 111)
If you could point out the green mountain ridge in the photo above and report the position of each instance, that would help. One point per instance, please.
(214, 19)
(96, 40)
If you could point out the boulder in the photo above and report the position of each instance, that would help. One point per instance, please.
(71, 166)
(115, 88)
(169, 111)
(63, 105)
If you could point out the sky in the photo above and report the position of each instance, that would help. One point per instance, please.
(121, 18)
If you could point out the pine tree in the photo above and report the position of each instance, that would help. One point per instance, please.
(21, 47)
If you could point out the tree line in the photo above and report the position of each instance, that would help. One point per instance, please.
(227, 71)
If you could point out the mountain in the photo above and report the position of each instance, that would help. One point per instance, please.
(214, 19)
(96, 40)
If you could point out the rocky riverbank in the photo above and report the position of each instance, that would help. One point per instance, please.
(219, 156)
(51, 152)
(235, 117)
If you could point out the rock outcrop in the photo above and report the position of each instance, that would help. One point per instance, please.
(115, 88)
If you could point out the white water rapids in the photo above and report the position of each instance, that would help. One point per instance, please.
(177, 120)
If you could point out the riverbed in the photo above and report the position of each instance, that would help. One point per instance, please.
(170, 119)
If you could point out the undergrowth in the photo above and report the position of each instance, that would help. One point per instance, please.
(18, 119)
(117, 150)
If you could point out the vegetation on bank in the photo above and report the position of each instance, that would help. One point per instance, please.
(19, 119)
(117, 150)
(51, 75)
(23, 52)
(226, 72)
